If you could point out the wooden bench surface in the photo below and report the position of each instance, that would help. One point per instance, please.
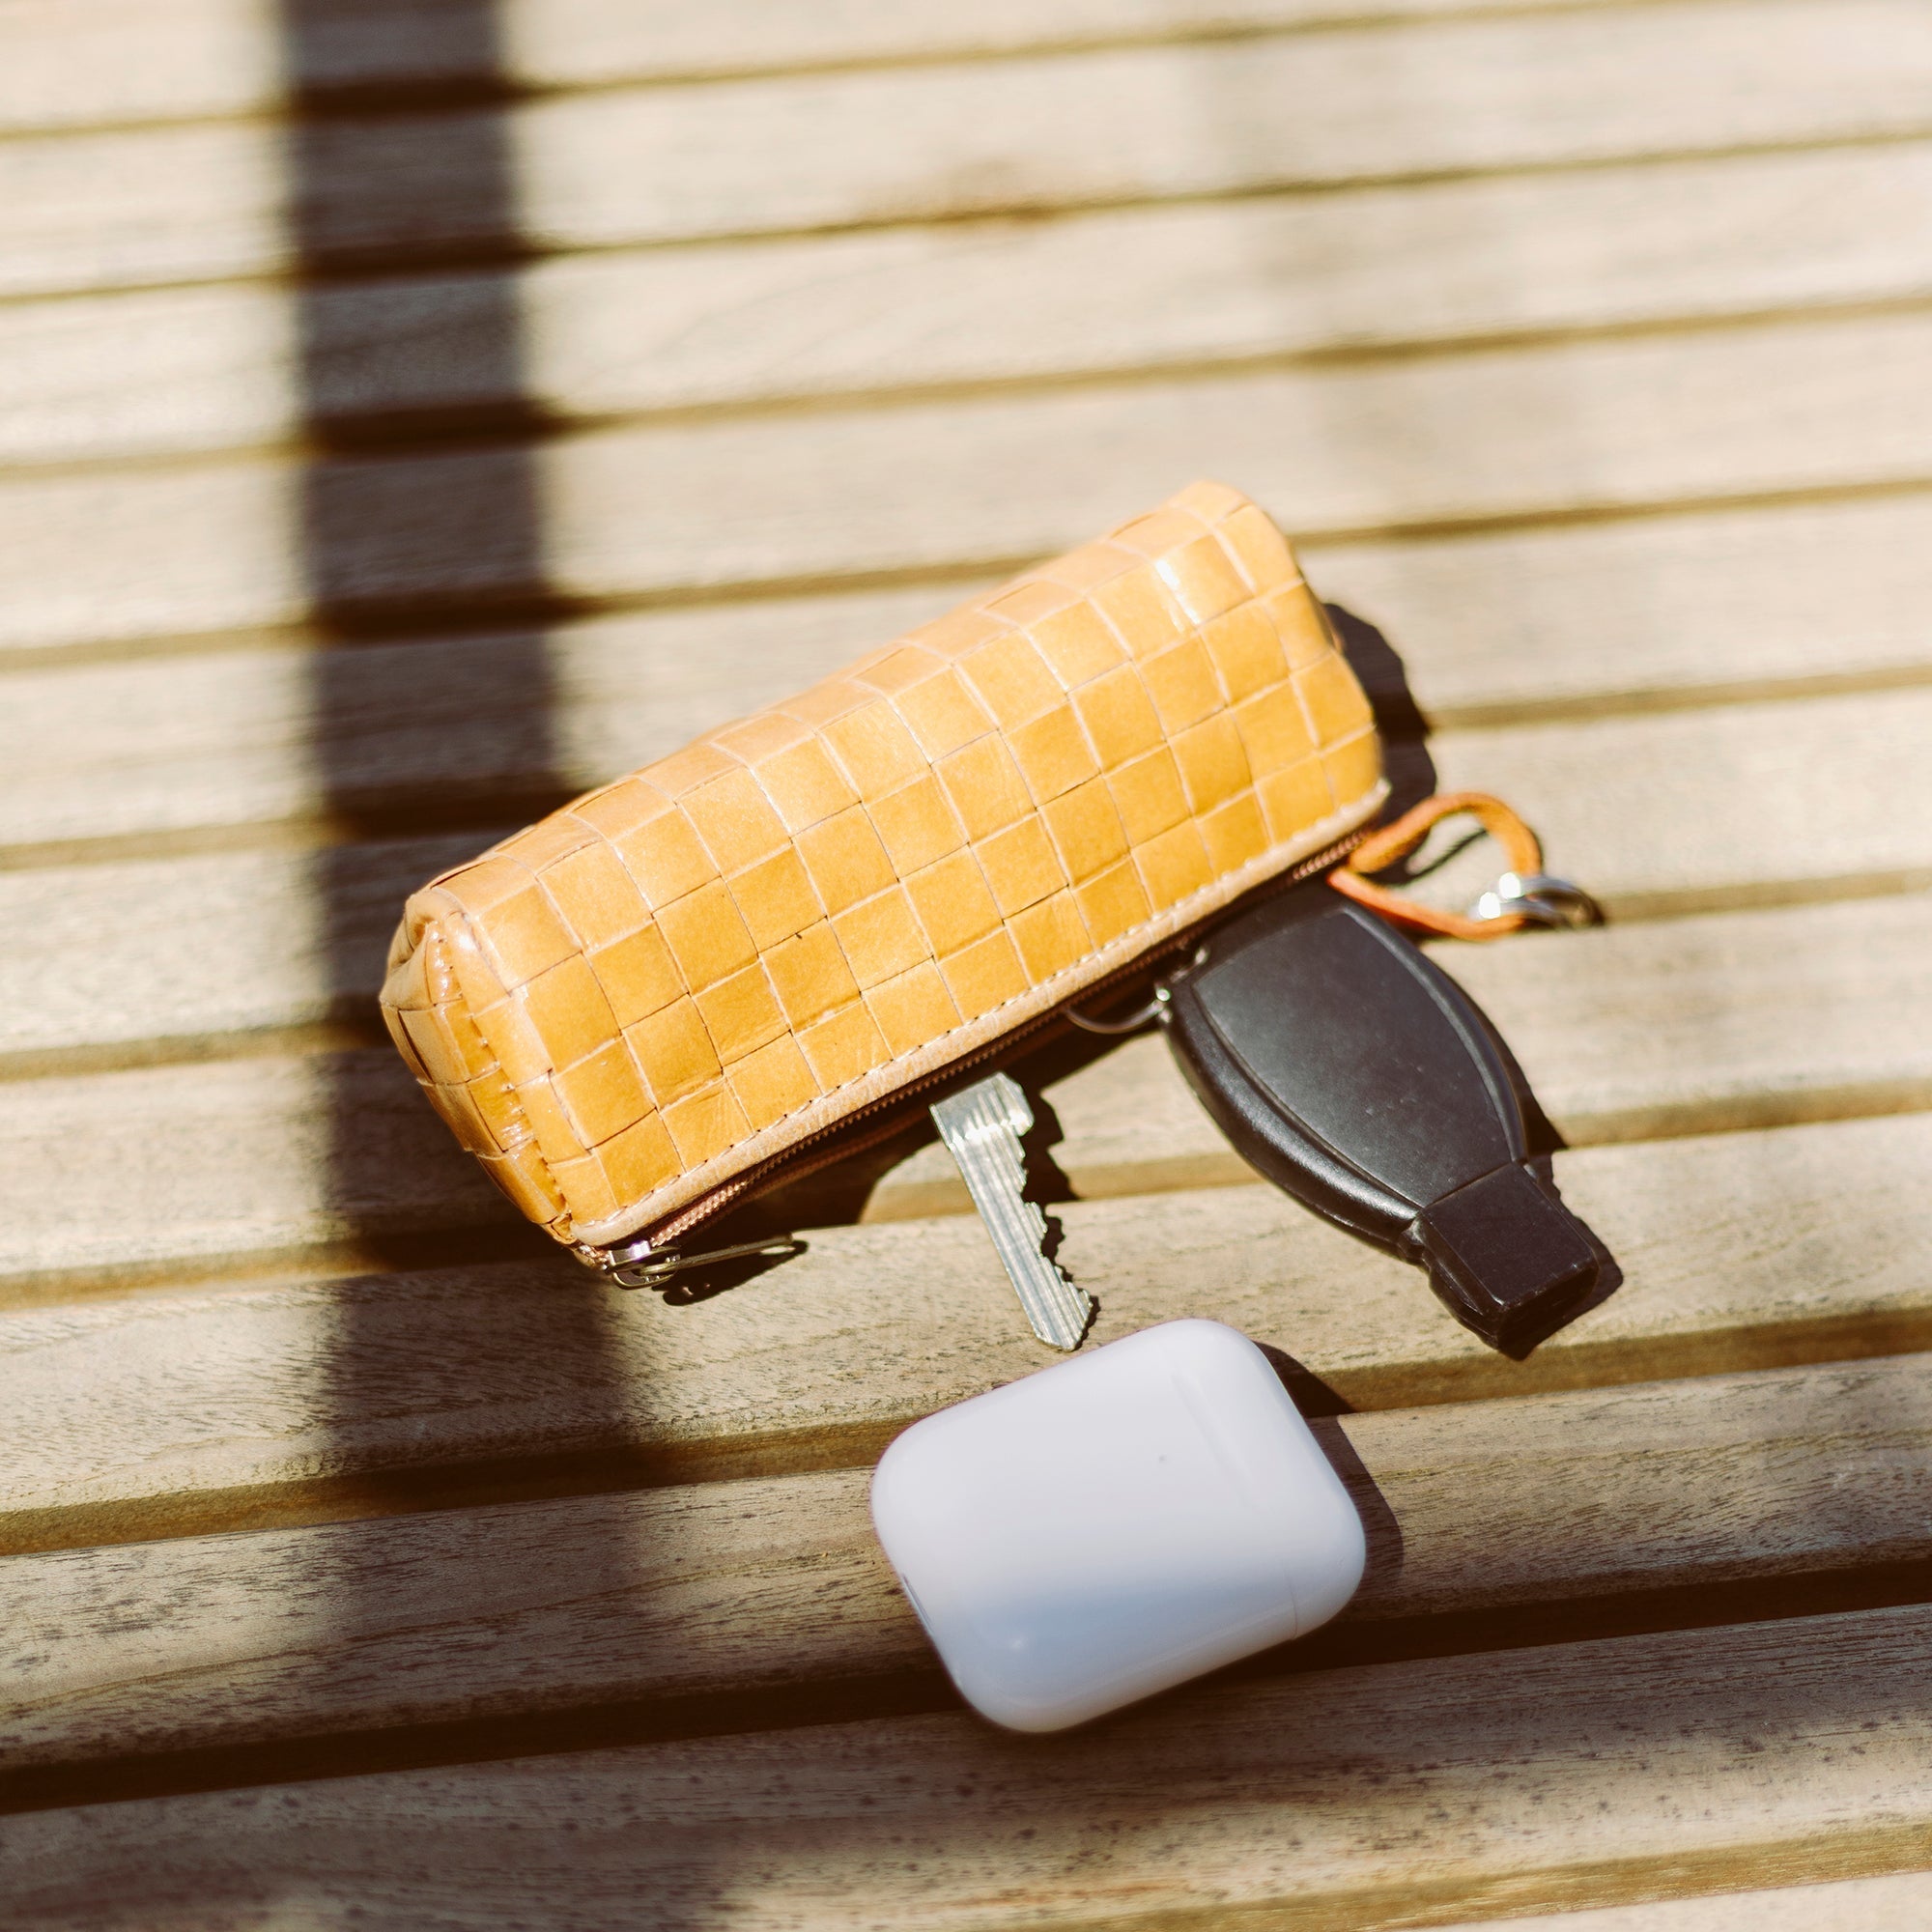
(412, 411)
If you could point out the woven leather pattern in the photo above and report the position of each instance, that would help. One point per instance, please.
(685, 972)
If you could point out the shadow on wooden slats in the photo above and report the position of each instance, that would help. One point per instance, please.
(341, 165)
(1399, 1794)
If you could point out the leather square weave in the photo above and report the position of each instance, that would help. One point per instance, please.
(680, 977)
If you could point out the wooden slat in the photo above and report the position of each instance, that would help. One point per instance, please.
(1561, 621)
(177, 742)
(283, 1401)
(1745, 804)
(751, 324)
(1826, 794)
(1736, 806)
(1747, 986)
(743, 1587)
(1394, 1794)
(1724, 1021)
(157, 60)
(1646, 613)
(230, 941)
(1897, 1902)
(1593, 427)
(210, 201)
(1628, 1032)
(1751, 803)
(160, 1170)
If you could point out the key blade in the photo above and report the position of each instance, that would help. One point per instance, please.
(982, 1126)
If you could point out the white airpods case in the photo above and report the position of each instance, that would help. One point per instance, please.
(1116, 1524)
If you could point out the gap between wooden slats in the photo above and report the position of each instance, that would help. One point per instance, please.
(303, 1398)
(207, 201)
(1680, 1027)
(755, 324)
(1823, 798)
(1720, 1022)
(1394, 1794)
(1488, 630)
(122, 61)
(737, 1589)
(1542, 435)
(1819, 795)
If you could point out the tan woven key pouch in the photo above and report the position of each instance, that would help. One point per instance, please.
(681, 988)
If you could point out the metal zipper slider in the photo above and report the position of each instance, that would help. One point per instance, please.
(636, 1264)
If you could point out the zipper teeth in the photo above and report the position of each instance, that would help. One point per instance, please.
(814, 1151)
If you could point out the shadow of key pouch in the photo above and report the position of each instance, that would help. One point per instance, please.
(754, 957)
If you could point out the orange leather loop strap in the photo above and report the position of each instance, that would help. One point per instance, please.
(1387, 843)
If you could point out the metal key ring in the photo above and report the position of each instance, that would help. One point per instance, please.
(1541, 897)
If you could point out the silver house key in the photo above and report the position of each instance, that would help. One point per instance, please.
(982, 1125)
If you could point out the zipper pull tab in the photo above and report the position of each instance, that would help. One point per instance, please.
(636, 1264)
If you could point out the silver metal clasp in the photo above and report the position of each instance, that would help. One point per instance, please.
(1156, 1006)
(1540, 897)
(638, 1263)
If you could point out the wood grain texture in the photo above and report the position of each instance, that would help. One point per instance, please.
(283, 1401)
(1681, 811)
(1897, 1902)
(1650, 613)
(171, 1169)
(1395, 1795)
(1724, 1021)
(681, 509)
(1562, 621)
(736, 1588)
(1729, 1000)
(1749, 802)
(243, 940)
(160, 60)
(1658, 1027)
(727, 327)
(209, 201)
(1640, 807)
(178, 742)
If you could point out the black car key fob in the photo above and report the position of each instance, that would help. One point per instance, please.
(1353, 1072)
